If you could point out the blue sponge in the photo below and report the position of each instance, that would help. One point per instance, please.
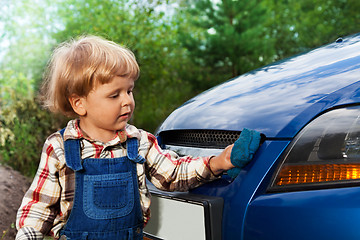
(243, 150)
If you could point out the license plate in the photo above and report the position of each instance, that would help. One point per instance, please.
(184, 216)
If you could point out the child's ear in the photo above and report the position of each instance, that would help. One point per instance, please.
(78, 104)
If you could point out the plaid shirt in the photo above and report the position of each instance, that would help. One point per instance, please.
(48, 202)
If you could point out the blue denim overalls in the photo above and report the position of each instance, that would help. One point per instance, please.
(106, 202)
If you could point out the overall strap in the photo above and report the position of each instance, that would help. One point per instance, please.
(72, 153)
(132, 150)
(62, 132)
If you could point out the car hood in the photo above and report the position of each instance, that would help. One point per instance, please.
(279, 99)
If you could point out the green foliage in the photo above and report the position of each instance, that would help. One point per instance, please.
(230, 37)
(13, 86)
(24, 126)
(27, 25)
(298, 26)
(324, 21)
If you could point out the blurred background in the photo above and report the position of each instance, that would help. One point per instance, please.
(183, 47)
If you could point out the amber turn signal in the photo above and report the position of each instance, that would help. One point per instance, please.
(300, 174)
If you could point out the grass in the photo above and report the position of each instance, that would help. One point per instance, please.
(12, 226)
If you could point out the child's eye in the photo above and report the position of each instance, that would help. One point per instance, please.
(114, 96)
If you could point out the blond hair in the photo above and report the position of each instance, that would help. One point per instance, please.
(79, 65)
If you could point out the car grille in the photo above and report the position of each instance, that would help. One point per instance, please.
(199, 138)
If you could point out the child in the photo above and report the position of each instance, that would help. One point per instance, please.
(91, 178)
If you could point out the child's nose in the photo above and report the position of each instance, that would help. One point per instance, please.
(127, 100)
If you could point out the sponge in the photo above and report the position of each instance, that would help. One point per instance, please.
(243, 150)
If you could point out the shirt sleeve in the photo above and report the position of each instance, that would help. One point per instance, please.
(170, 172)
(28, 233)
(40, 204)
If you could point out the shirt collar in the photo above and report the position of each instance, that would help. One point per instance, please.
(73, 131)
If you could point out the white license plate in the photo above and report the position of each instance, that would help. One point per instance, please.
(183, 216)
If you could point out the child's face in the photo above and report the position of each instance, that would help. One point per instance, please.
(108, 108)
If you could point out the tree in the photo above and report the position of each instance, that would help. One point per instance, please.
(298, 26)
(230, 36)
(325, 21)
(27, 25)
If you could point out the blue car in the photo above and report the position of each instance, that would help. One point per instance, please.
(304, 181)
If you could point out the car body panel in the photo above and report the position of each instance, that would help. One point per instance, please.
(279, 99)
(322, 214)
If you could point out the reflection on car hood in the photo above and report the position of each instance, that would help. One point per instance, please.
(278, 99)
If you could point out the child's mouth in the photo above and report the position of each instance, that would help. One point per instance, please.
(125, 115)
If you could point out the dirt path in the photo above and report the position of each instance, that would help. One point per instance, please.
(12, 189)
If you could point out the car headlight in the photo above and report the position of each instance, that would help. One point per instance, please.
(326, 153)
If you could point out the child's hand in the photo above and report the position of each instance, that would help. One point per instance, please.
(222, 162)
